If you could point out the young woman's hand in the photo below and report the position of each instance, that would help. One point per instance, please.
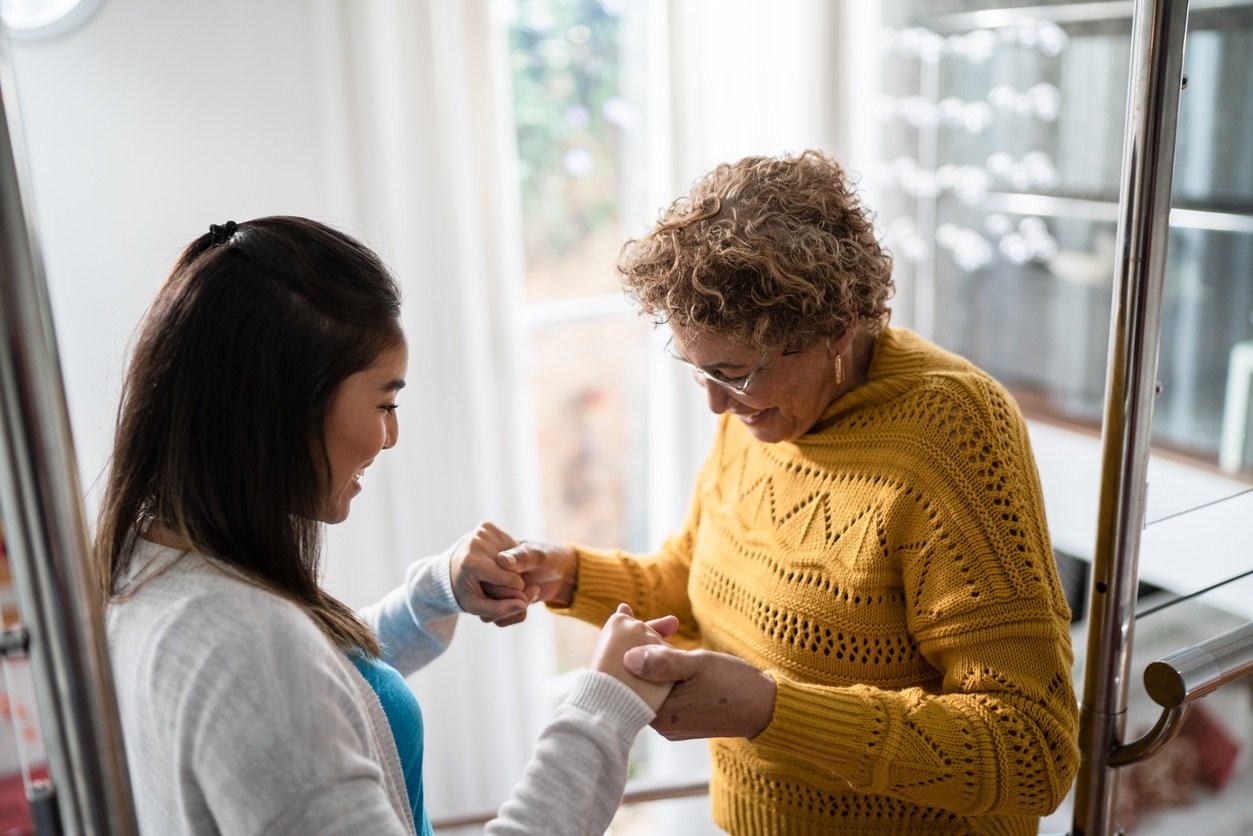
(481, 585)
(622, 632)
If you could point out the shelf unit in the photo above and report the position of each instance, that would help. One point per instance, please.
(1015, 275)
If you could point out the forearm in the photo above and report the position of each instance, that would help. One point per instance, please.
(653, 585)
(415, 622)
(574, 781)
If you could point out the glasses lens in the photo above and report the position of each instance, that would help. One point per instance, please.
(739, 386)
(704, 378)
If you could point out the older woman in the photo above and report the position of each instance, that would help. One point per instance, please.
(865, 564)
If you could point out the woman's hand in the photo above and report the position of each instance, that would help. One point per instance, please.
(548, 569)
(622, 632)
(714, 694)
(481, 585)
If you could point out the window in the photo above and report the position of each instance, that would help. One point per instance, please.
(577, 69)
(575, 128)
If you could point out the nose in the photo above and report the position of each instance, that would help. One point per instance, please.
(719, 398)
(391, 430)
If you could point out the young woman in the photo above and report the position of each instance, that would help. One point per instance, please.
(262, 386)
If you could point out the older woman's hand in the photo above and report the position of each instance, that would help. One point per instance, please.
(715, 694)
(622, 632)
(549, 569)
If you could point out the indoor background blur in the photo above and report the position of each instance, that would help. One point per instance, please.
(497, 153)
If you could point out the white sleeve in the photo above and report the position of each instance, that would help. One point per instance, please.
(573, 783)
(415, 621)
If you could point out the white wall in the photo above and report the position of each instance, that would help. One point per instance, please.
(149, 123)
(1181, 552)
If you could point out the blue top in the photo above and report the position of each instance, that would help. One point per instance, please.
(404, 715)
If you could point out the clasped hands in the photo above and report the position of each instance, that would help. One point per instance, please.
(696, 693)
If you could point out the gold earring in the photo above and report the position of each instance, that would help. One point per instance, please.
(839, 370)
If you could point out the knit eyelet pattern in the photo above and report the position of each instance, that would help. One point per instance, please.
(893, 573)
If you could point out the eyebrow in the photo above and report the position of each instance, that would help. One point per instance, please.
(723, 366)
(392, 386)
(714, 366)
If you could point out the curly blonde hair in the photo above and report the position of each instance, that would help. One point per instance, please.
(771, 251)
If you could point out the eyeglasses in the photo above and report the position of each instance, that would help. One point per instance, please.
(738, 385)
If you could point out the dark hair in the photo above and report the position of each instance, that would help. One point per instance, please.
(220, 424)
(772, 251)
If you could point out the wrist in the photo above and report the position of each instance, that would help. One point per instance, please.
(766, 690)
(564, 596)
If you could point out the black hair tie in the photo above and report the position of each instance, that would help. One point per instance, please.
(222, 234)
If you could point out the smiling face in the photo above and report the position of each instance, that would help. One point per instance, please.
(360, 423)
(788, 393)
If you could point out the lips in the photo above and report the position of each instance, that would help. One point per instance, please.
(756, 417)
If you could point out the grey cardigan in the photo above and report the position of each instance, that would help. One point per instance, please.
(240, 717)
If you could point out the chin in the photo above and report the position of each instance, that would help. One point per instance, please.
(771, 435)
(333, 516)
(766, 435)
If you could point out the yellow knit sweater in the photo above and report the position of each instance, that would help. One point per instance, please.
(892, 571)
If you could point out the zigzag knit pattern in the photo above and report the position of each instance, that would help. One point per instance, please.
(892, 571)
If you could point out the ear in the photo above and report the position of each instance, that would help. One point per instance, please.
(842, 345)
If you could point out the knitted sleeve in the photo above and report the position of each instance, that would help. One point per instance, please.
(996, 732)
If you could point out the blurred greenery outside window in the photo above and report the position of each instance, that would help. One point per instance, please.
(571, 117)
(573, 122)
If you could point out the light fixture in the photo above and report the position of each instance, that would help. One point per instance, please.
(45, 18)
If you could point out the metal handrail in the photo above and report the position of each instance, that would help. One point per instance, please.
(639, 791)
(1191, 673)
(1158, 31)
(45, 529)
(1184, 676)
(1177, 680)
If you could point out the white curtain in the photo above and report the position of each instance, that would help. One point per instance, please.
(387, 119)
(428, 124)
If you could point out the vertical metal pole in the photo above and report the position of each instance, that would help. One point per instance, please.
(44, 527)
(1158, 29)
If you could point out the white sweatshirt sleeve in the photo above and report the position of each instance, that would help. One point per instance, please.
(415, 621)
(573, 784)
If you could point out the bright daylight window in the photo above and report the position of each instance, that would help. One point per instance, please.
(579, 135)
(574, 125)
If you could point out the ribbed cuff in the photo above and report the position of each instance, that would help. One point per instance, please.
(434, 587)
(603, 583)
(839, 718)
(601, 694)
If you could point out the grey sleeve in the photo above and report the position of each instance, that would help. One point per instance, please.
(415, 621)
(574, 781)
